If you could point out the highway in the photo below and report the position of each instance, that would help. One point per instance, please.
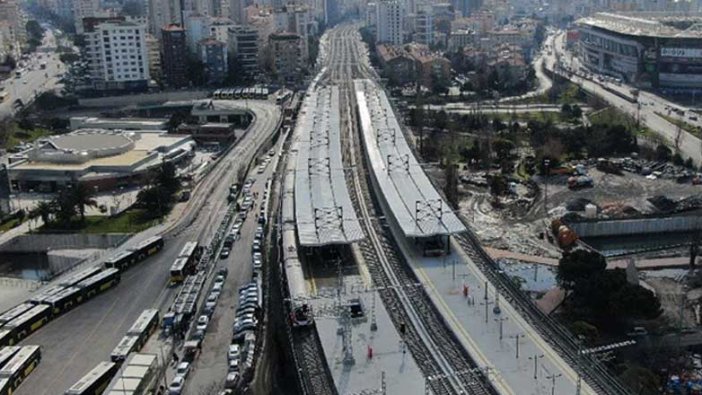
(75, 342)
(645, 110)
(34, 81)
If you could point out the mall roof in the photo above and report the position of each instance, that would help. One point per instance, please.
(647, 24)
(415, 204)
(324, 213)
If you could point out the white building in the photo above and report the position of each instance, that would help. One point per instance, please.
(163, 13)
(117, 55)
(389, 16)
(219, 28)
(424, 26)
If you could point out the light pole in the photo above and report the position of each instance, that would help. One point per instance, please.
(516, 341)
(553, 378)
(536, 358)
(501, 320)
(547, 162)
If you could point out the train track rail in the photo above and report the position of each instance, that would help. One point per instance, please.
(560, 338)
(440, 356)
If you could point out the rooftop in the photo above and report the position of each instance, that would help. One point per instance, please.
(649, 24)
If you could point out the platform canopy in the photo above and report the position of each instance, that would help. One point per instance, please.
(415, 204)
(323, 210)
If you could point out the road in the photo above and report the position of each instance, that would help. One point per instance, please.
(210, 369)
(34, 81)
(688, 144)
(75, 342)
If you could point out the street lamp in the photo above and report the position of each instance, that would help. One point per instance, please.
(536, 358)
(547, 162)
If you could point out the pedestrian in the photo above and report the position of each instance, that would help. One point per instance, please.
(175, 358)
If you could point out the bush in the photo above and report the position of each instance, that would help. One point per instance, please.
(663, 152)
(678, 159)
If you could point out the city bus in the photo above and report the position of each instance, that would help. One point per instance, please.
(127, 345)
(98, 283)
(179, 270)
(144, 326)
(27, 323)
(14, 312)
(191, 251)
(45, 294)
(149, 247)
(19, 367)
(79, 276)
(95, 381)
(283, 96)
(65, 300)
(6, 353)
(122, 260)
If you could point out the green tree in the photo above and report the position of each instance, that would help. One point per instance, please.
(43, 210)
(65, 207)
(34, 30)
(663, 152)
(579, 266)
(502, 148)
(83, 196)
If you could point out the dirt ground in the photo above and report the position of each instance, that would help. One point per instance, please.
(517, 226)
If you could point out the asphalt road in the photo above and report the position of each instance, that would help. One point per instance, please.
(689, 145)
(34, 81)
(211, 366)
(75, 342)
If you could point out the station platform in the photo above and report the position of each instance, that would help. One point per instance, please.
(511, 358)
(391, 358)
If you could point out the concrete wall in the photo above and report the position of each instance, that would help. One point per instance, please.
(144, 98)
(42, 243)
(61, 261)
(626, 227)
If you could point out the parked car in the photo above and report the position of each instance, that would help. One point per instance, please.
(211, 301)
(176, 386)
(231, 380)
(234, 352)
(224, 253)
(183, 369)
(202, 322)
(233, 365)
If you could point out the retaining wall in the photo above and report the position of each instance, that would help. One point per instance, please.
(143, 98)
(640, 226)
(45, 242)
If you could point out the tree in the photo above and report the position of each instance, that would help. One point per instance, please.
(65, 207)
(503, 148)
(663, 152)
(678, 159)
(34, 30)
(43, 210)
(83, 196)
(578, 266)
(158, 197)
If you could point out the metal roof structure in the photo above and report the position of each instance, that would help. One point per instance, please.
(415, 204)
(323, 210)
(647, 24)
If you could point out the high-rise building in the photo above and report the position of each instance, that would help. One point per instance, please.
(287, 61)
(237, 12)
(244, 47)
(219, 28)
(197, 28)
(84, 9)
(116, 53)
(423, 26)
(153, 50)
(173, 53)
(389, 16)
(213, 54)
(16, 32)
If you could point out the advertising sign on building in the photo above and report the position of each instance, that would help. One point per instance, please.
(681, 52)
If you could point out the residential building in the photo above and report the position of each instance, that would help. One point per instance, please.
(237, 12)
(197, 28)
(460, 38)
(84, 9)
(371, 14)
(213, 54)
(423, 27)
(219, 28)
(174, 52)
(398, 66)
(389, 17)
(163, 13)
(116, 53)
(287, 61)
(296, 19)
(15, 24)
(243, 45)
(430, 65)
(153, 48)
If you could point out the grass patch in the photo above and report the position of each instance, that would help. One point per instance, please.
(540, 116)
(13, 134)
(13, 223)
(130, 221)
(692, 129)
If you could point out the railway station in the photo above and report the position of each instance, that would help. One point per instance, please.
(406, 192)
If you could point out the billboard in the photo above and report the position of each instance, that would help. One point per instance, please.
(681, 52)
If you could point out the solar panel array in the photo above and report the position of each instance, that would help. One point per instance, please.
(416, 205)
(323, 210)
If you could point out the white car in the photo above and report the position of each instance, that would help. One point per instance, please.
(183, 369)
(234, 352)
(176, 387)
(202, 323)
(233, 365)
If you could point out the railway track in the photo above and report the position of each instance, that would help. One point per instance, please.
(560, 338)
(443, 361)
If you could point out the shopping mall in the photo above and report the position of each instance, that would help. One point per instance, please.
(657, 50)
